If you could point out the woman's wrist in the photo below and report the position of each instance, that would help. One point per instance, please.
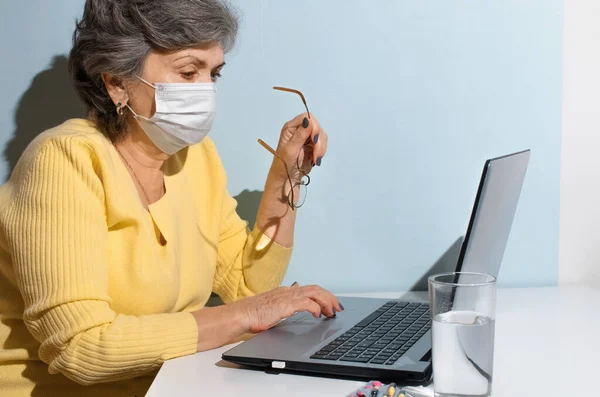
(239, 316)
(281, 174)
(220, 325)
(280, 183)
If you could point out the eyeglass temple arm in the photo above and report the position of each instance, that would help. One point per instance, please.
(270, 149)
(295, 92)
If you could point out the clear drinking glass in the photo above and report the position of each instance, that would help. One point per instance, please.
(463, 312)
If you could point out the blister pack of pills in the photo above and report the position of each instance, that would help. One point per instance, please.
(378, 389)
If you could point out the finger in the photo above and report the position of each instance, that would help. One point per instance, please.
(307, 157)
(327, 306)
(296, 121)
(338, 304)
(303, 133)
(320, 148)
(323, 298)
(304, 304)
(326, 300)
(317, 142)
(316, 129)
(315, 136)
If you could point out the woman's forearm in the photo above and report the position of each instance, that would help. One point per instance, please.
(275, 216)
(219, 325)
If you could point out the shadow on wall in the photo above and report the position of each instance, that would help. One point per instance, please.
(445, 264)
(248, 203)
(48, 102)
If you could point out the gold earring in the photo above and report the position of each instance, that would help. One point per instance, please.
(119, 110)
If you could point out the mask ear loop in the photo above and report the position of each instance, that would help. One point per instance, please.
(131, 110)
(149, 85)
(145, 82)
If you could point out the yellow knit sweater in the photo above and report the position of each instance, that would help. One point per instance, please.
(91, 302)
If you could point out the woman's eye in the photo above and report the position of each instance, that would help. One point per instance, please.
(188, 75)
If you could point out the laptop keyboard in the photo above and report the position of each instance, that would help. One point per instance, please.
(382, 337)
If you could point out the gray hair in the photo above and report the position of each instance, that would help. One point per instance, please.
(116, 37)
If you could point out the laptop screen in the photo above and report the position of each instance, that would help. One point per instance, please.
(493, 213)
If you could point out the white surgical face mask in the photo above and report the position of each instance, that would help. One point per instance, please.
(184, 114)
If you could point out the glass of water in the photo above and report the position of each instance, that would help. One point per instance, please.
(463, 312)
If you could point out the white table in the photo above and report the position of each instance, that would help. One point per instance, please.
(547, 344)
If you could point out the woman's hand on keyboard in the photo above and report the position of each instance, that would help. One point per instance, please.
(265, 310)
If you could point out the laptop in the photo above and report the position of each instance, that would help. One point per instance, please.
(385, 339)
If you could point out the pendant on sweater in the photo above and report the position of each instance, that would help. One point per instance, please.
(163, 241)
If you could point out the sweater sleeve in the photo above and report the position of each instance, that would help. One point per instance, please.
(249, 262)
(57, 233)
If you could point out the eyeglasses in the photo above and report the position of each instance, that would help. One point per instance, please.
(302, 184)
(293, 91)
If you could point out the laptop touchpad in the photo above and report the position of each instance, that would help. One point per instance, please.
(305, 317)
(304, 331)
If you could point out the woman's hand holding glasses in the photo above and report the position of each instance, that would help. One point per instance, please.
(302, 145)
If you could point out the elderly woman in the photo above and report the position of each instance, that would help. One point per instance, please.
(114, 230)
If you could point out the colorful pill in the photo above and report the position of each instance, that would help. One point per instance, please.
(377, 383)
(391, 391)
(360, 394)
(375, 392)
(368, 387)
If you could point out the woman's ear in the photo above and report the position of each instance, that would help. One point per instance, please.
(116, 89)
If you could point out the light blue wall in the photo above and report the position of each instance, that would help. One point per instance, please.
(32, 33)
(415, 95)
